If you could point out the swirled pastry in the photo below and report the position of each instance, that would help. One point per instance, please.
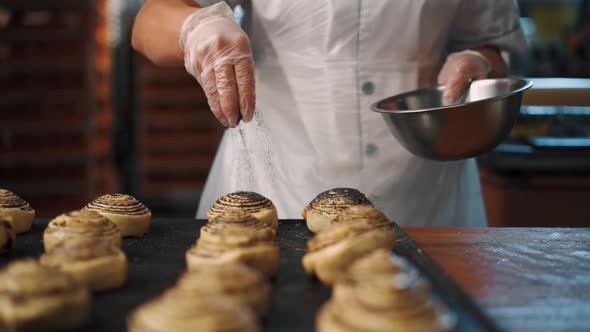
(96, 263)
(326, 206)
(130, 215)
(330, 252)
(382, 303)
(359, 213)
(179, 311)
(379, 262)
(235, 217)
(255, 204)
(78, 225)
(38, 298)
(21, 212)
(383, 290)
(225, 245)
(7, 234)
(239, 282)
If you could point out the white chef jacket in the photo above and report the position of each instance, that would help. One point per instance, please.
(319, 65)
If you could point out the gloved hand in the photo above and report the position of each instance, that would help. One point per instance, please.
(459, 70)
(217, 53)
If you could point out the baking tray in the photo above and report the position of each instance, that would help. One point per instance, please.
(156, 261)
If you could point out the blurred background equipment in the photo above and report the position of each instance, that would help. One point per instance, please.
(81, 114)
(55, 105)
(540, 176)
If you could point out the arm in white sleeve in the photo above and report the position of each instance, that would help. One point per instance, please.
(487, 23)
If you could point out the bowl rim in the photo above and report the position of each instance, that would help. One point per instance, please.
(375, 108)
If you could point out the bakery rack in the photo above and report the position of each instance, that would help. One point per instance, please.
(55, 111)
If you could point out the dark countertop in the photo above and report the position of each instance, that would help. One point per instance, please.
(526, 279)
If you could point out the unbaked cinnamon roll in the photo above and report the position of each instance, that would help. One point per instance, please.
(21, 212)
(225, 245)
(81, 224)
(359, 213)
(130, 215)
(96, 263)
(235, 217)
(383, 303)
(379, 262)
(383, 290)
(7, 234)
(255, 204)
(239, 282)
(330, 252)
(328, 205)
(38, 298)
(179, 311)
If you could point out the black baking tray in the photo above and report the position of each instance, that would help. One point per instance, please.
(156, 261)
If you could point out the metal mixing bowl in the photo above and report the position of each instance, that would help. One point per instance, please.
(476, 123)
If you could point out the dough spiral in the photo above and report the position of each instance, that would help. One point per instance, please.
(222, 244)
(382, 303)
(180, 311)
(38, 298)
(21, 212)
(96, 263)
(236, 281)
(80, 224)
(380, 262)
(131, 216)
(234, 217)
(328, 205)
(330, 252)
(253, 203)
(355, 213)
(7, 233)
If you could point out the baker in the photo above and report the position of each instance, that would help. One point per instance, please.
(312, 68)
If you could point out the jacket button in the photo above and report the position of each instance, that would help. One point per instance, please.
(370, 149)
(368, 88)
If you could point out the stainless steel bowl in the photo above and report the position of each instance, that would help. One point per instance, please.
(476, 123)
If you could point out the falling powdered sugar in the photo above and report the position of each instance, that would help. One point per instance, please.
(252, 164)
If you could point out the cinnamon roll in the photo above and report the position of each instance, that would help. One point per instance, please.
(379, 262)
(81, 224)
(7, 234)
(255, 204)
(95, 263)
(130, 215)
(38, 298)
(21, 212)
(330, 252)
(223, 245)
(359, 213)
(326, 206)
(239, 282)
(180, 311)
(235, 217)
(382, 303)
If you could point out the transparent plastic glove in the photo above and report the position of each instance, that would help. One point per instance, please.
(459, 70)
(217, 53)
